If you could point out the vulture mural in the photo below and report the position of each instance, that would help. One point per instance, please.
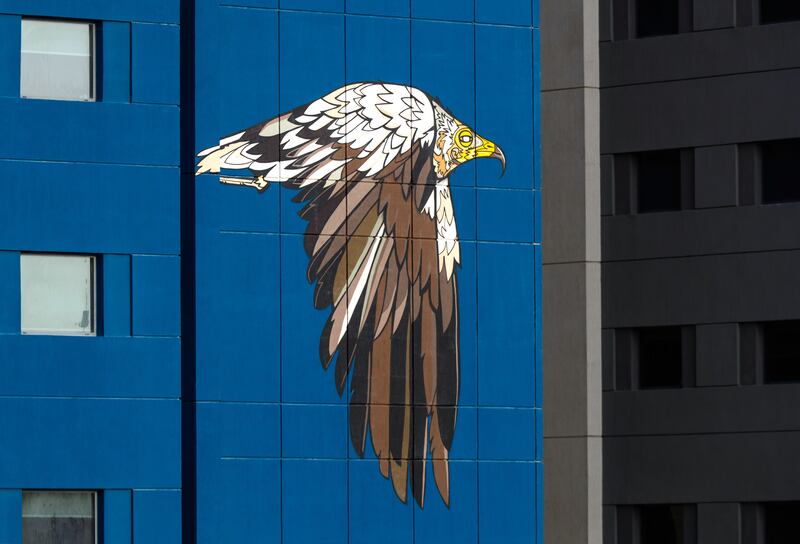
(371, 163)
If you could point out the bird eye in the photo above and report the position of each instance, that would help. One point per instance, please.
(464, 137)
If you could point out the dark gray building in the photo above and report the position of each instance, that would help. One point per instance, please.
(672, 187)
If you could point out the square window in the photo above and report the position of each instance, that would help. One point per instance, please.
(781, 351)
(57, 60)
(660, 357)
(58, 294)
(780, 161)
(66, 517)
(780, 522)
(779, 11)
(658, 175)
(656, 17)
(662, 524)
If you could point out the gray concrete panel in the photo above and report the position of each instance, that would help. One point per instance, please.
(716, 176)
(702, 232)
(717, 354)
(723, 52)
(712, 289)
(714, 14)
(700, 112)
(709, 410)
(744, 467)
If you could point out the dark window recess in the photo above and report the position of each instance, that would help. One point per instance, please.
(781, 340)
(662, 524)
(660, 357)
(658, 176)
(656, 17)
(780, 522)
(780, 171)
(779, 11)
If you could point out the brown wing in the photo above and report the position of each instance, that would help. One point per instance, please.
(393, 327)
(394, 320)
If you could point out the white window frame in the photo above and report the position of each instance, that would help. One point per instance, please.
(95, 494)
(92, 300)
(92, 58)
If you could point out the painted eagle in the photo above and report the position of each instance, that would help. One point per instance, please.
(371, 163)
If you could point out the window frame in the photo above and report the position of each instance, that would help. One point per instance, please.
(96, 493)
(93, 30)
(93, 300)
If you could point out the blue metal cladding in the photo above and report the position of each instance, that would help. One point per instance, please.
(101, 178)
(201, 411)
(274, 461)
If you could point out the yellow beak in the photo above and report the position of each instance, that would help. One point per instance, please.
(489, 150)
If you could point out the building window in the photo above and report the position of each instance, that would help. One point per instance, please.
(781, 351)
(57, 294)
(664, 524)
(660, 357)
(780, 522)
(780, 161)
(779, 11)
(656, 17)
(658, 175)
(57, 60)
(59, 516)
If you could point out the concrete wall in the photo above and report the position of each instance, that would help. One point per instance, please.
(571, 240)
(717, 267)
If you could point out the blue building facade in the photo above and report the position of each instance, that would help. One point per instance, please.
(200, 412)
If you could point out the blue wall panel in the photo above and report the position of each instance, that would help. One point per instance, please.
(115, 73)
(308, 71)
(249, 40)
(238, 312)
(156, 516)
(507, 502)
(156, 295)
(95, 367)
(238, 472)
(158, 11)
(506, 357)
(117, 516)
(10, 516)
(10, 29)
(314, 501)
(116, 301)
(504, 101)
(9, 292)
(155, 63)
(93, 208)
(55, 130)
(90, 443)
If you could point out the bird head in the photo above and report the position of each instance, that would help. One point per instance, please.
(456, 144)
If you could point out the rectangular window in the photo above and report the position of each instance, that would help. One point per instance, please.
(665, 524)
(660, 357)
(781, 351)
(658, 176)
(58, 294)
(780, 161)
(780, 522)
(57, 60)
(657, 17)
(66, 517)
(779, 11)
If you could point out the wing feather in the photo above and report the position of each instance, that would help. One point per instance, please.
(360, 157)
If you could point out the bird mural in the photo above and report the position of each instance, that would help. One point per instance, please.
(371, 163)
